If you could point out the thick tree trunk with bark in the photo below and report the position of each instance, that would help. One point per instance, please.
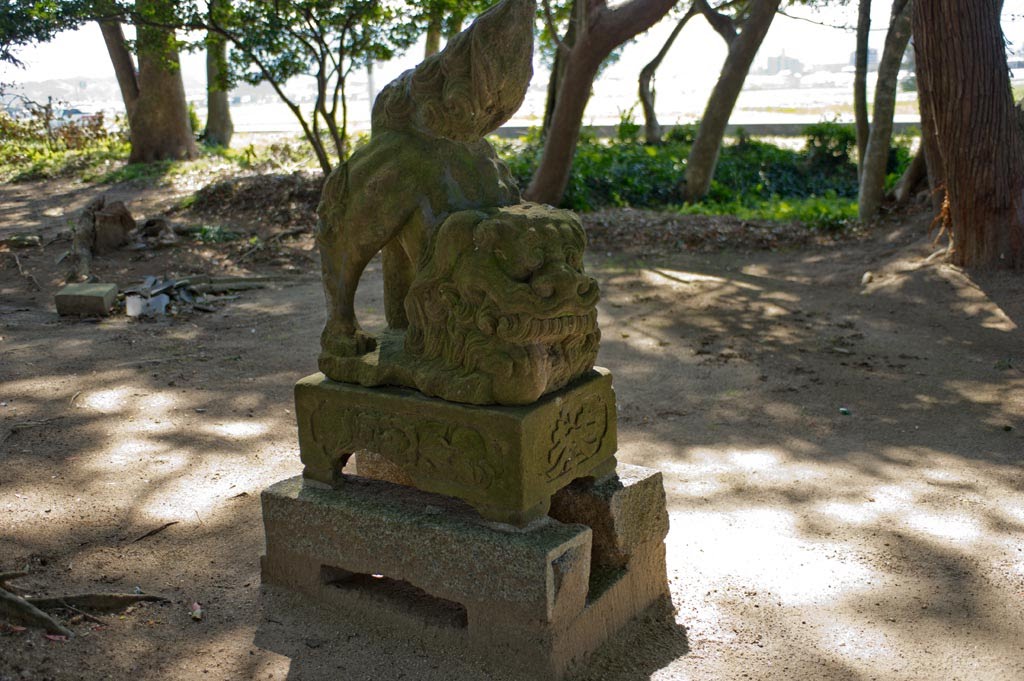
(876, 155)
(700, 166)
(603, 29)
(930, 141)
(160, 127)
(219, 127)
(652, 128)
(121, 59)
(962, 58)
(860, 81)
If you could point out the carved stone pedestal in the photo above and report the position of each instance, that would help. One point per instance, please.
(504, 461)
(413, 564)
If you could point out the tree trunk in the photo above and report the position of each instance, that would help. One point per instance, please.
(160, 127)
(124, 67)
(434, 25)
(930, 140)
(219, 127)
(700, 166)
(915, 173)
(872, 178)
(603, 30)
(652, 128)
(860, 81)
(962, 58)
(558, 68)
(552, 176)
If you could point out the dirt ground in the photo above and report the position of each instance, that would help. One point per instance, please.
(843, 455)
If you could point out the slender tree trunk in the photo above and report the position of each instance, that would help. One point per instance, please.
(915, 173)
(434, 25)
(219, 127)
(558, 68)
(160, 127)
(652, 128)
(124, 66)
(700, 166)
(552, 176)
(876, 155)
(963, 60)
(860, 81)
(602, 30)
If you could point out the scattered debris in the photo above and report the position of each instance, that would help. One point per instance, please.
(21, 240)
(17, 428)
(845, 412)
(196, 611)
(157, 530)
(154, 296)
(29, 278)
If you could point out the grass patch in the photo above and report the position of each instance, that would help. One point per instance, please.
(823, 213)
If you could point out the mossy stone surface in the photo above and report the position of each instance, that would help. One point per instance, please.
(504, 461)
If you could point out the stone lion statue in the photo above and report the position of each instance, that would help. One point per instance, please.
(485, 297)
(501, 309)
(425, 160)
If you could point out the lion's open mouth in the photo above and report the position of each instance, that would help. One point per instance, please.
(524, 328)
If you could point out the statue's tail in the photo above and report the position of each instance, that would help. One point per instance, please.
(472, 86)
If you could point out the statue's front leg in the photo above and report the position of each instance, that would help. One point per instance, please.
(342, 336)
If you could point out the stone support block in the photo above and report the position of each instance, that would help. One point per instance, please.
(409, 563)
(504, 461)
(85, 299)
(624, 511)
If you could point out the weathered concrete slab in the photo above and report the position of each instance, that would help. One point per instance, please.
(504, 461)
(85, 299)
(409, 563)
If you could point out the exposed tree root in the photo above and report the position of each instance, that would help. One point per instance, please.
(95, 602)
(17, 610)
(30, 610)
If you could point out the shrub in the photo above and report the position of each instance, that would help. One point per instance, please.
(830, 143)
(817, 186)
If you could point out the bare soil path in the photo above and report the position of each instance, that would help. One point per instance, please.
(843, 456)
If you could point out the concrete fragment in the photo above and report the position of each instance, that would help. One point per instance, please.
(624, 510)
(85, 299)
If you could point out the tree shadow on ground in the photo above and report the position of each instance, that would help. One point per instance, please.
(805, 543)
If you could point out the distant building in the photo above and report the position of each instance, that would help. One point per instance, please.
(777, 65)
(872, 59)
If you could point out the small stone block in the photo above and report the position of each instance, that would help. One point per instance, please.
(85, 299)
(504, 461)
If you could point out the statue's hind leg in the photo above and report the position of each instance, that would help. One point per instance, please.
(398, 276)
(343, 262)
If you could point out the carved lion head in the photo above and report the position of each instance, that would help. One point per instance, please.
(501, 302)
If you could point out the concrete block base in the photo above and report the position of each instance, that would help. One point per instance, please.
(85, 299)
(533, 601)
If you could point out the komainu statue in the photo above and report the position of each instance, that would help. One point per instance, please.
(485, 297)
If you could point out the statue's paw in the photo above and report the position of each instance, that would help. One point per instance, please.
(347, 345)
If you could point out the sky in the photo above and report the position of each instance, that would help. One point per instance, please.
(693, 62)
